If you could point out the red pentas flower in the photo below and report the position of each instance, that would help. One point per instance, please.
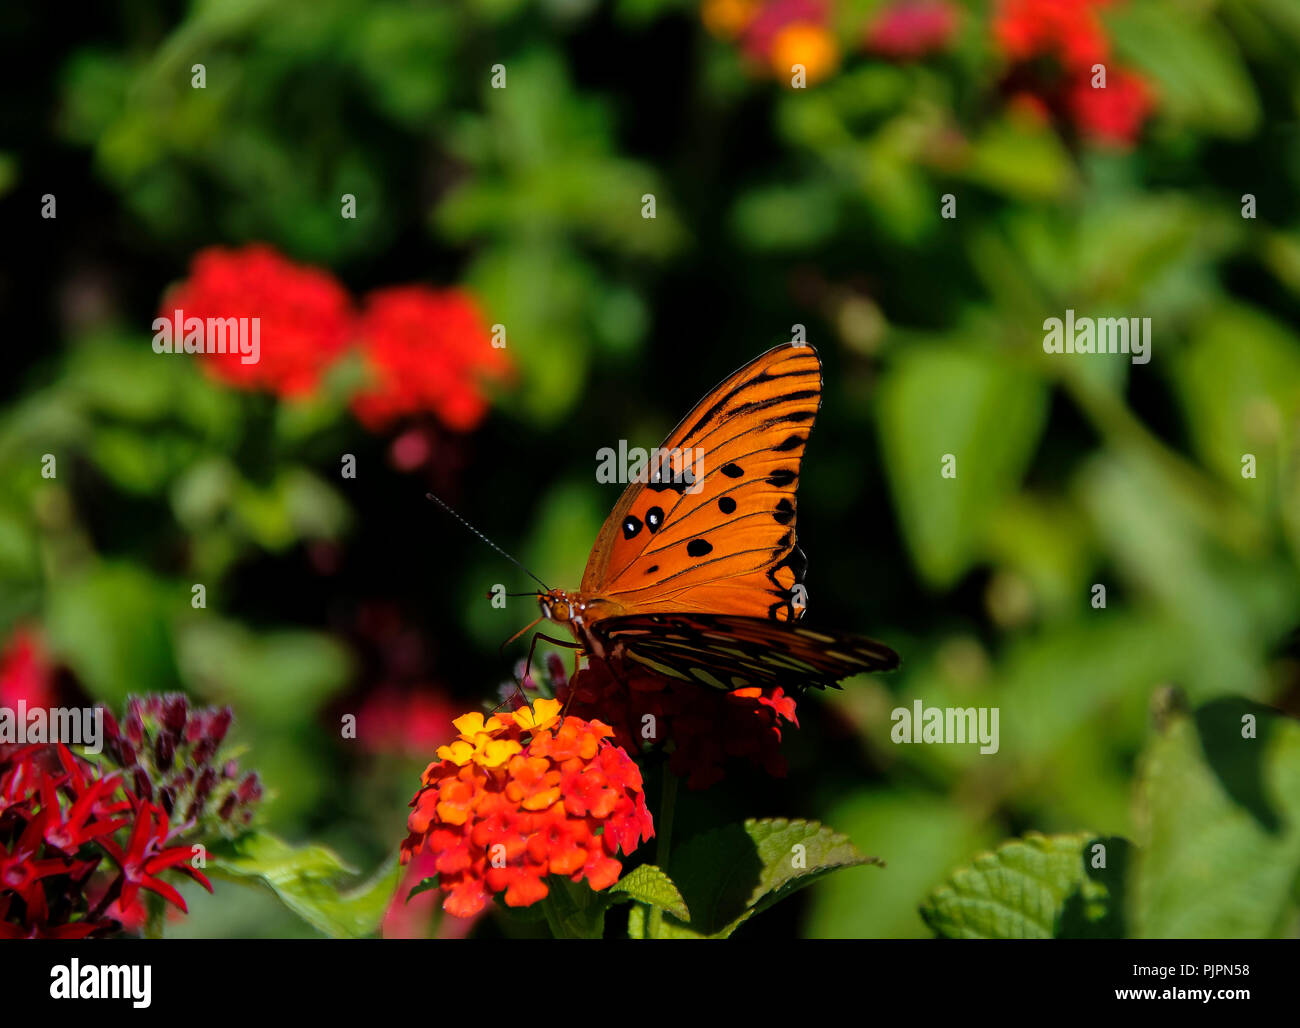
(59, 817)
(427, 350)
(912, 28)
(79, 842)
(707, 727)
(304, 315)
(521, 796)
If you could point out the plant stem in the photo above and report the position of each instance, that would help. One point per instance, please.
(155, 914)
(663, 840)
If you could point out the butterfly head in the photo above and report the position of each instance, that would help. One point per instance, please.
(558, 605)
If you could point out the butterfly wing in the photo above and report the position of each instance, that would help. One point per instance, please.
(713, 528)
(728, 652)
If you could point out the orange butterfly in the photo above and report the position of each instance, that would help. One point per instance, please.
(696, 573)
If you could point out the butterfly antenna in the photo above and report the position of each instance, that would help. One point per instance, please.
(445, 506)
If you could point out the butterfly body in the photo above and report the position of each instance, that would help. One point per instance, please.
(697, 573)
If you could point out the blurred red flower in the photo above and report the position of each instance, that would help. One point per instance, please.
(778, 34)
(912, 28)
(521, 796)
(1071, 33)
(1114, 114)
(1069, 30)
(25, 674)
(305, 315)
(427, 350)
(408, 723)
(25, 671)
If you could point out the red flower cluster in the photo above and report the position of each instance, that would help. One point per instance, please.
(305, 315)
(521, 796)
(168, 751)
(427, 350)
(1070, 34)
(58, 820)
(912, 28)
(706, 726)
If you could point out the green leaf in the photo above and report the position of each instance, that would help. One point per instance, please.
(306, 880)
(1037, 887)
(988, 415)
(1196, 66)
(424, 886)
(922, 836)
(728, 875)
(225, 658)
(1240, 385)
(650, 885)
(112, 625)
(574, 910)
(1219, 799)
(1020, 159)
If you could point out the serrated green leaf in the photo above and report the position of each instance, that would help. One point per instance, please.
(650, 885)
(728, 875)
(306, 880)
(1037, 887)
(1220, 825)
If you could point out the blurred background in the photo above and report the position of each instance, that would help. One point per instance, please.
(1173, 193)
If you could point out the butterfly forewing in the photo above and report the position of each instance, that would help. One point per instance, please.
(721, 538)
(729, 652)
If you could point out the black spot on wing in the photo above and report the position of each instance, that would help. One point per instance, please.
(699, 547)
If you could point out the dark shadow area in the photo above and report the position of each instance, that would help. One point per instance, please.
(1236, 761)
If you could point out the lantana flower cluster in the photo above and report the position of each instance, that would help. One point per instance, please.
(520, 796)
(424, 350)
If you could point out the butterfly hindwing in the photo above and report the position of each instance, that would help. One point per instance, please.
(730, 652)
(713, 530)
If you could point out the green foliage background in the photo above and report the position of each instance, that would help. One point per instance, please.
(775, 207)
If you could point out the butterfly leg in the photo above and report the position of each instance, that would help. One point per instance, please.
(558, 642)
